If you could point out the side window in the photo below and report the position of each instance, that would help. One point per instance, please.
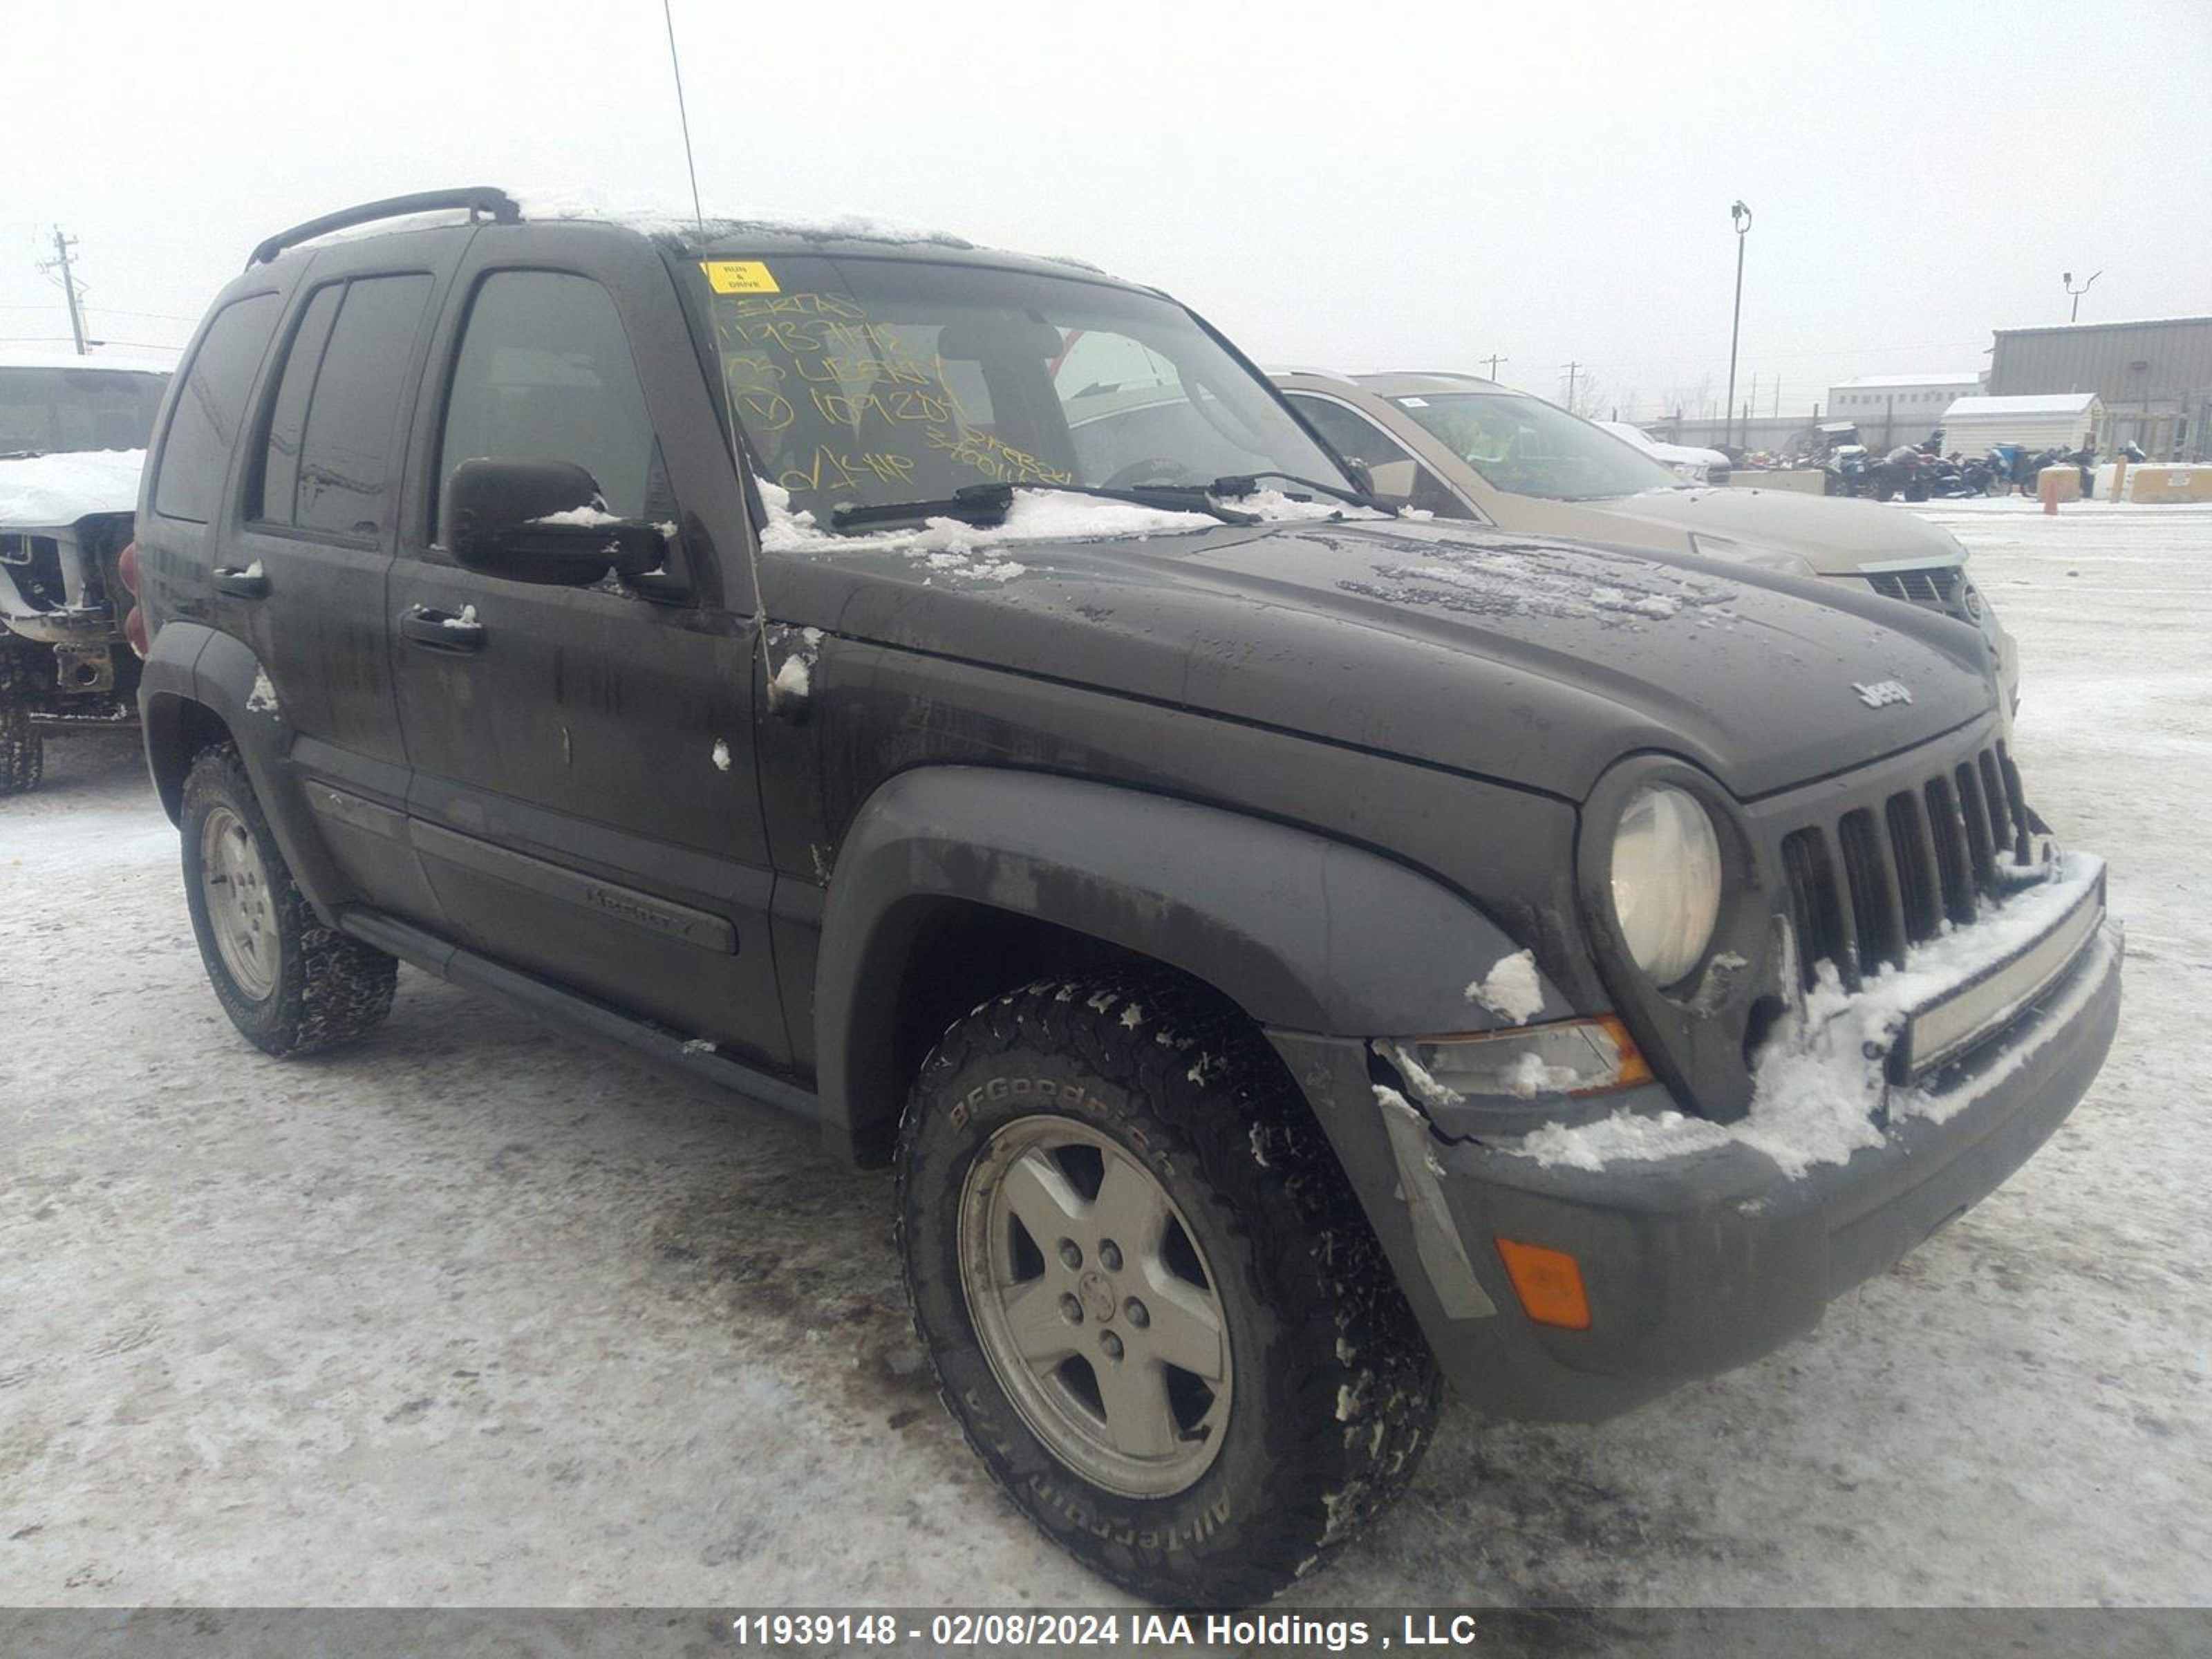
(274, 497)
(1354, 436)
(204, 420)
(346, 443)
(546, 374)
(1351, 434)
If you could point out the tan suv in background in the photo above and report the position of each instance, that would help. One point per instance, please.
(1463, 448)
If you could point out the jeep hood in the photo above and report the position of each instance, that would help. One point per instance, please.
(1532, 662)
(43, 492)
(1835, 536)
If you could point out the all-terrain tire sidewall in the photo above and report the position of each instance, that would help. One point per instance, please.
(22, 749)
(1313, 1443)
(328, 988)
(996, 1096)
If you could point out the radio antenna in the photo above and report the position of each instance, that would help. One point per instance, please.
(676, 64)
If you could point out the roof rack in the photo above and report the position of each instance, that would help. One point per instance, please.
(496, 204)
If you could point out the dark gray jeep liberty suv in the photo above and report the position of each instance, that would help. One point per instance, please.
(1293, 955)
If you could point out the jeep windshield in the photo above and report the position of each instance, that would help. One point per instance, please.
(51, 409)
(871, 383)
(1527, 446)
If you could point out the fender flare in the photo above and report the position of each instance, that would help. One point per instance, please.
(1300, 931)
(194, 664)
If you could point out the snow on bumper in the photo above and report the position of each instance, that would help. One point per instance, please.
(1704, 1246)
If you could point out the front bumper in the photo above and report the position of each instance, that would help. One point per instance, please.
(1695, 1263)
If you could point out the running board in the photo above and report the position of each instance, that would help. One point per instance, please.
(692, 1060)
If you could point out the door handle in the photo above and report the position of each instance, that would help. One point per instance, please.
(247, 583)
(442, 630)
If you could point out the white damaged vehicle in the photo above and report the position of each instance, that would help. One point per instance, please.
(72, 444)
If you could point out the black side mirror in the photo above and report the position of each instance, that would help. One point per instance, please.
(544, 522)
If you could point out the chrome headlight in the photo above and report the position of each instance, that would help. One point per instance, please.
(1665, 881)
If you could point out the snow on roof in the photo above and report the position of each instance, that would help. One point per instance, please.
(1964, 377)
(2053, 403)
(42, 492)
(668, 217)
(112, 362)
(2124, 322)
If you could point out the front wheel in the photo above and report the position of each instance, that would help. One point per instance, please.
(289, 984)
(1150, 1299)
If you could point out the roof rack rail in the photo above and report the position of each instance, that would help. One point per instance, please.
(496, 204)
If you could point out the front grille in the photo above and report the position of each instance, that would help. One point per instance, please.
(1936, 588)
(1865, 890)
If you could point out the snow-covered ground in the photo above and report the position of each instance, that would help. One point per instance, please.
(467, 1314)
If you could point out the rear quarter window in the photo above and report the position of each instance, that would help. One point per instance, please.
(205, 419)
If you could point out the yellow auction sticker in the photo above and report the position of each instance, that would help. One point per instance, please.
(738, 276)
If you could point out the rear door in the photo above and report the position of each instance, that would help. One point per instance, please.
(584, 799)
(301, 574)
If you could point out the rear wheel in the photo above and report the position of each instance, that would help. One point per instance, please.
(289, 984)
(22, 751)
(1151, 1301)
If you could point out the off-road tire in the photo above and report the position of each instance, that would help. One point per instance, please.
(328, 988)
(22, 751)
(1335, 1393)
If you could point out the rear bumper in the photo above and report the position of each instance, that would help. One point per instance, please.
(1697, 1263)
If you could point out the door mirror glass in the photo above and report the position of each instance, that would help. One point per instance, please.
(544, 522)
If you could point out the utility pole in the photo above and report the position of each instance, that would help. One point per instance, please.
(61, 263)
(1572, 369)
(2068, 278)
(1740, 216)
(1493, 360)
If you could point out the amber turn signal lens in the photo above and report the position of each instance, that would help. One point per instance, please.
(1549, 1284)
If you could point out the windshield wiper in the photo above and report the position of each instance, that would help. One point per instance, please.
(989, 504)
(1248, 484)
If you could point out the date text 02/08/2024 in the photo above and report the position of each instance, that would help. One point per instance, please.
(1166, 1631)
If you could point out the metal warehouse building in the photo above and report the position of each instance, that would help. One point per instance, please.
(2154, 377)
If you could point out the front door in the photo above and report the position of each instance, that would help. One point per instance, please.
(584, 797)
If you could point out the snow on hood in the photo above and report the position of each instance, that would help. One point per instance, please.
(952, 547)
(44, 491)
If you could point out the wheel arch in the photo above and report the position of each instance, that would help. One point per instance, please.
(201, 687)
(955, 882)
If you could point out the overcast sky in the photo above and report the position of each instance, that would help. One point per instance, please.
(1375, 184)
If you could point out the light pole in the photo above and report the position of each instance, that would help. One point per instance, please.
(2068, 278)
(1740, 216)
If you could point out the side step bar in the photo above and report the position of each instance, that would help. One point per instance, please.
(609, 1029)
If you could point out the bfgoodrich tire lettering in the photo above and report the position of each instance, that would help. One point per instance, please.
(322, 988)
(1334, 1392)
